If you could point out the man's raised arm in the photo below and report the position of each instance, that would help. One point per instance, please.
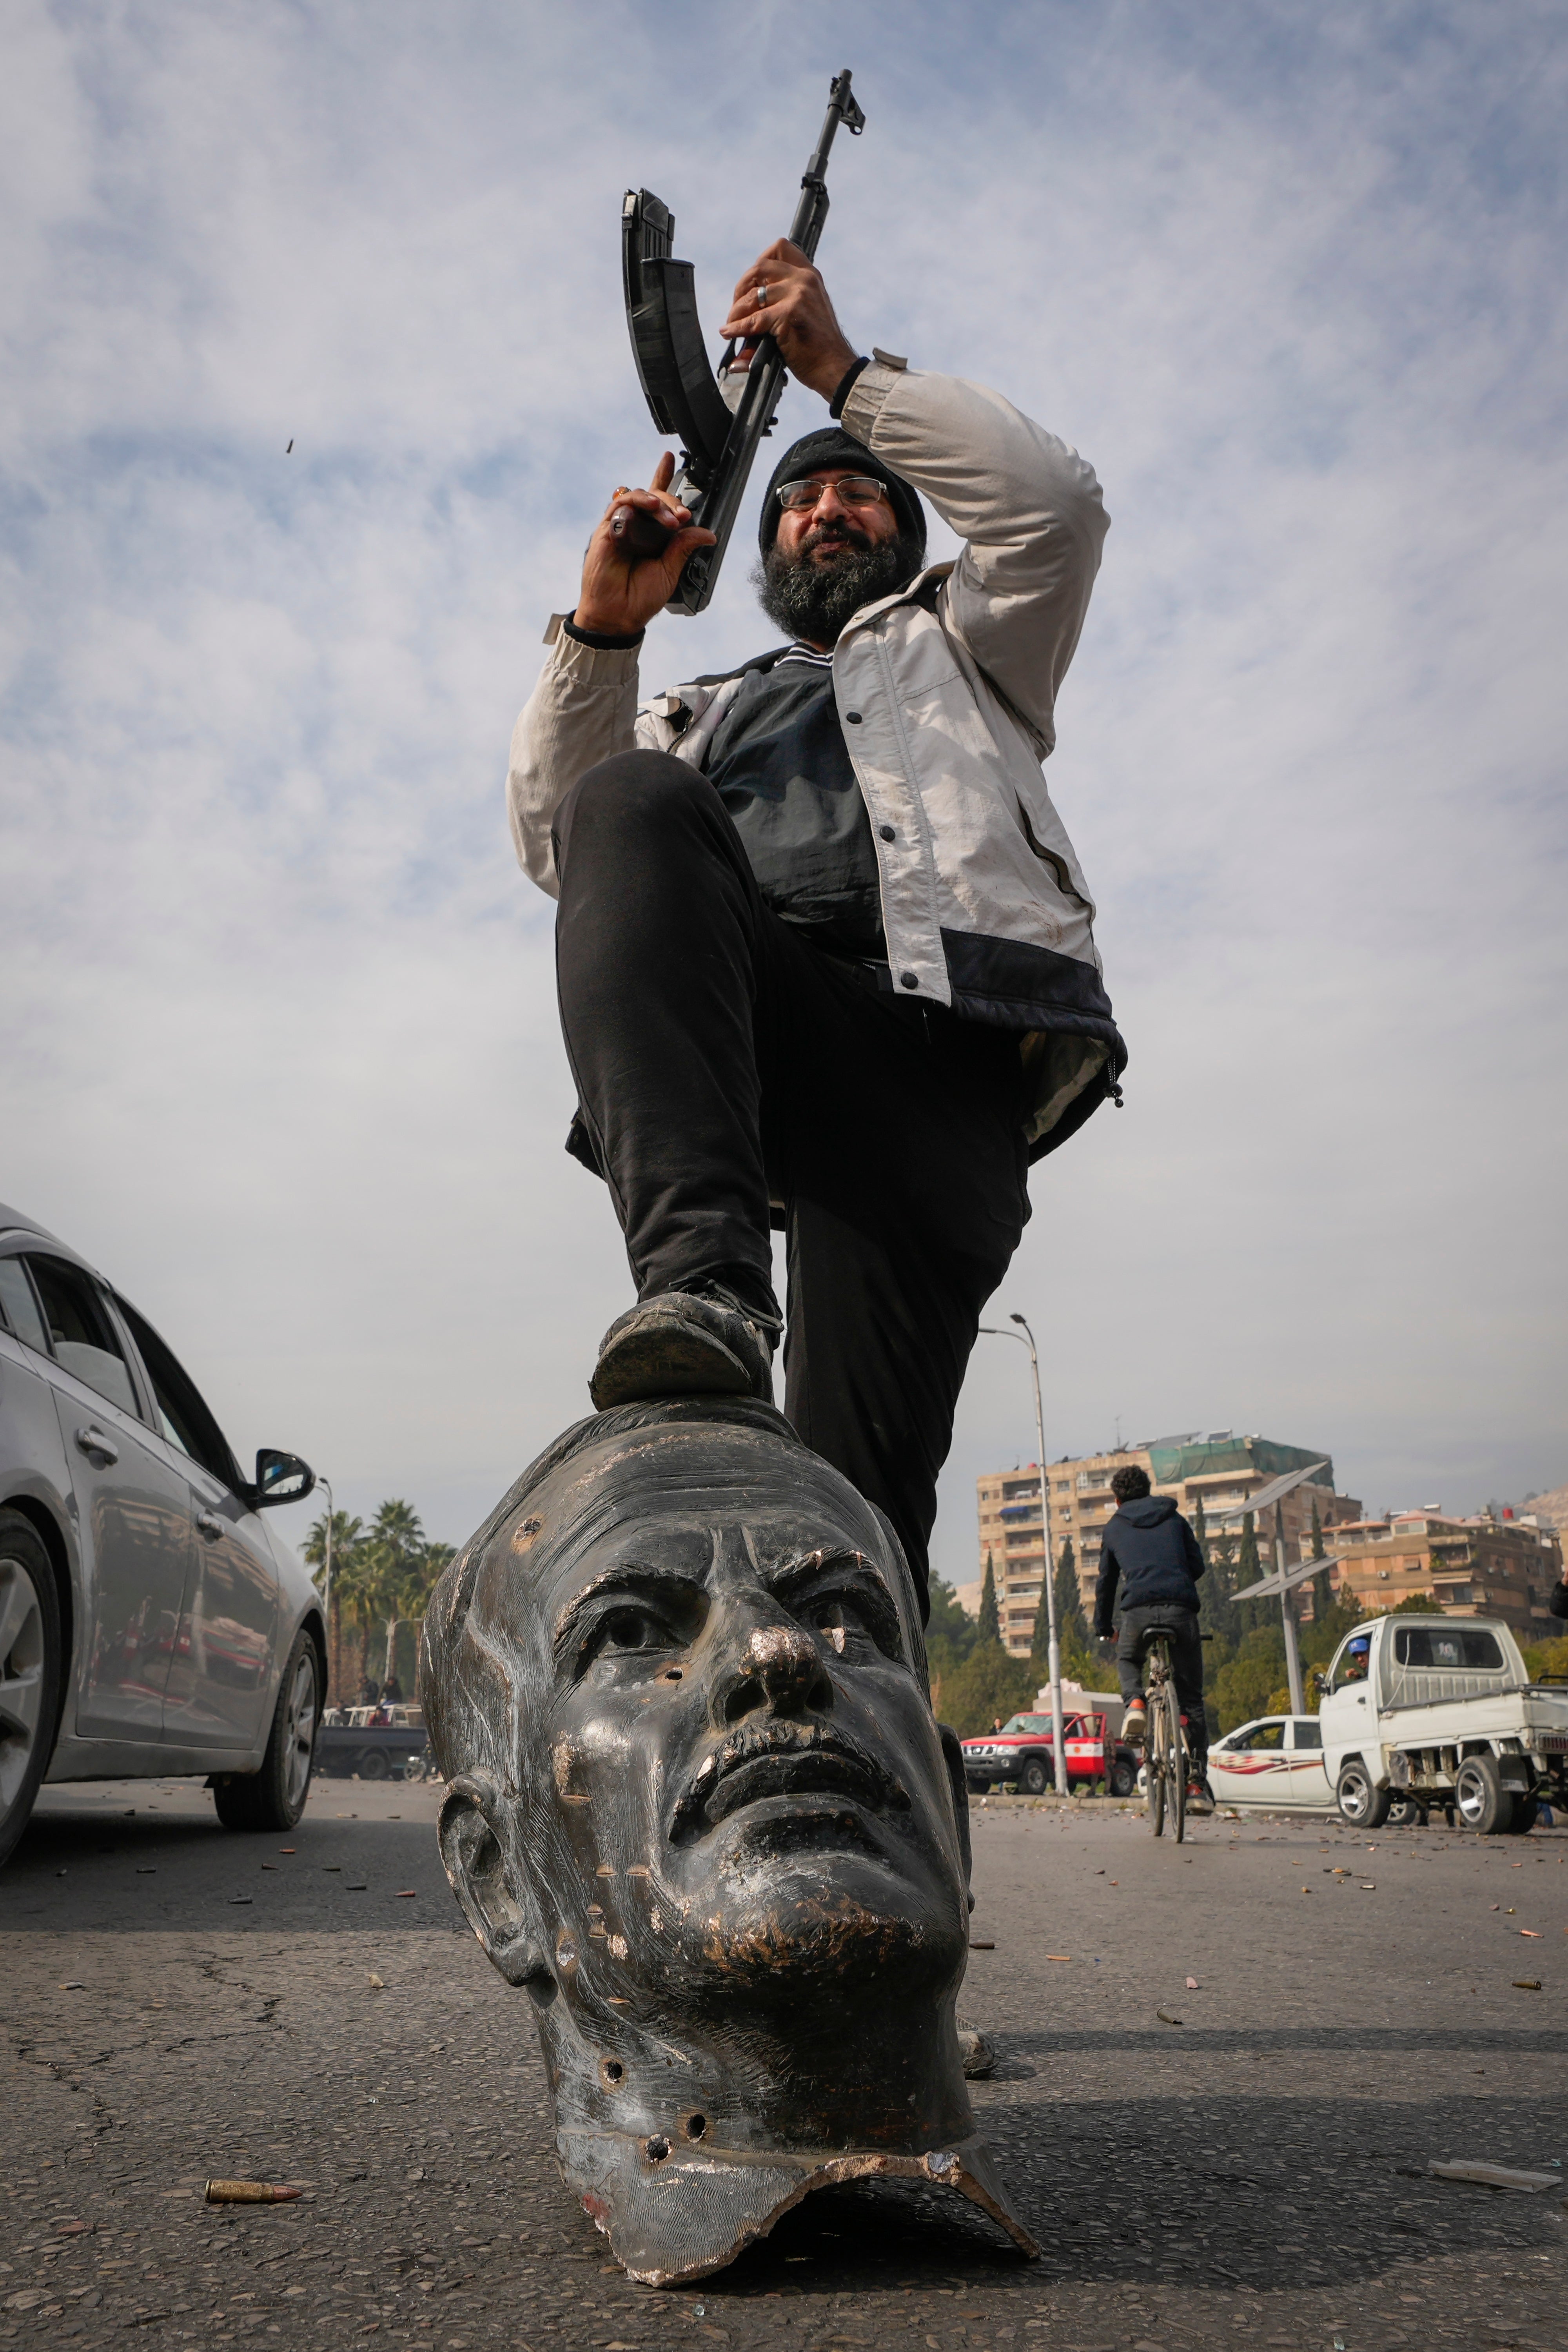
(1029, 507)
(584, 707)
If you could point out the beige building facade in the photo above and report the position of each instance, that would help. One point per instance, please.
(1472, 1567)
(1215, 1466)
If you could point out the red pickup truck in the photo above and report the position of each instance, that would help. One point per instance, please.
(1021, 1752)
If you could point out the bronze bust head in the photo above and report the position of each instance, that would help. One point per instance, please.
(700, 1809)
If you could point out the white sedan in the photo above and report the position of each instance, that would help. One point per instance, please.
(1277, 1762)
(150, 1621)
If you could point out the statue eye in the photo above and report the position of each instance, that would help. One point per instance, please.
(837, 1617)
(624, 1633)
(854, 1620)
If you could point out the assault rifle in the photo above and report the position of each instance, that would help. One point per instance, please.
(686, 398)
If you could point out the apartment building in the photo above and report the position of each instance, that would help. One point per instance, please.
(1215, 1466)
(1472, 1567)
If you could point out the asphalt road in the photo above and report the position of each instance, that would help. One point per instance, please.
(179, 2001)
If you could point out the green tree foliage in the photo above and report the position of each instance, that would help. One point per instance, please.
(1322, 1587)
(989, 1684)
(988, 1624)
(1323, 1637)
(346, 1533)
(383, 1576)
(1546, 1657)
(1217, 1612)
(950, 1630)
(1080, 1658)
(1071, 1619)
(1246, 1683)
(396, 1577)
(1072, 1625)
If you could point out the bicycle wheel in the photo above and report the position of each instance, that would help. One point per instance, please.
(1172, 1709)
(1159, 1760)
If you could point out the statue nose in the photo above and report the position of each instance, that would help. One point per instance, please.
(779, 1664)
(780, 1656)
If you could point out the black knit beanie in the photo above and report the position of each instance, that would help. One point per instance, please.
(833, 446)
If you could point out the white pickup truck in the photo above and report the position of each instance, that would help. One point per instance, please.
(1441, 1711)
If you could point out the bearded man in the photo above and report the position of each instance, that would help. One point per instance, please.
(824, 949)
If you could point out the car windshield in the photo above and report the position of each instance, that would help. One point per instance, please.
(1031, 1723)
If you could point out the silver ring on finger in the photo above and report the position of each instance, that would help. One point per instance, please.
(761, 297)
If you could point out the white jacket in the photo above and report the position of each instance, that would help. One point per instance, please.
(946, 693)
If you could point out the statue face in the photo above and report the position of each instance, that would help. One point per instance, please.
(700, 1808)
(733, 1785)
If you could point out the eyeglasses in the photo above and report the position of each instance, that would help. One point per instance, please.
(855, 490)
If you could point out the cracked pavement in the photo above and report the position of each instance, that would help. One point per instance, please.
(180, 2002)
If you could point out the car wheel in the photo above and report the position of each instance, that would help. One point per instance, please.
(373, 1766)
(1404, 1813)
(1522, 1817)
(1480, 1801)
(274, 1797)
(1361, 1801)
(1033, 1781)
(30, 1670)
(1124, 1778)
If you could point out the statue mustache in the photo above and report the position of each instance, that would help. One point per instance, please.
(783, 1759)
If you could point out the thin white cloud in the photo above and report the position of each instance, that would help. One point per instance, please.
(280, 1032)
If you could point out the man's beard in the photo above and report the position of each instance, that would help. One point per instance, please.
(815, 601)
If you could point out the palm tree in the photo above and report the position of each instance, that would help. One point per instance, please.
(357, 1586)
(432, 1559)
(397, 1539)
(347, 1535)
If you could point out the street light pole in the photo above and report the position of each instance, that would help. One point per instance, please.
(1058, 1746)
(1287, 1616)
(326, 1486)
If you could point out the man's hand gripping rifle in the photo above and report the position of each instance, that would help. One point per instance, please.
(661, 548)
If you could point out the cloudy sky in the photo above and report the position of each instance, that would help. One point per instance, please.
(280, 1045)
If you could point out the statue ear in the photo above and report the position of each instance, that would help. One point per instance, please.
(476, 1864)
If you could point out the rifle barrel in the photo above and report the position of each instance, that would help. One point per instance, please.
(716, 509)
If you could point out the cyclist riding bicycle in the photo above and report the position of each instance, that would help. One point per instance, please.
(1149, 1550)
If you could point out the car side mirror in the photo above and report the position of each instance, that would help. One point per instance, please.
(280, 1479)
(1322, 1683)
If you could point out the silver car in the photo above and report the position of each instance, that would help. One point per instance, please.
(150, 1621)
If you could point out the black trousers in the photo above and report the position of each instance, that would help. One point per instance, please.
(722, 1061)
(1186, 1663)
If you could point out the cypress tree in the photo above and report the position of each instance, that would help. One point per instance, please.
(1040, 1639)
(1200, 1530)
(989, 1627)
(1323, 1590)
(1247, 1570)
(1072, 1625)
